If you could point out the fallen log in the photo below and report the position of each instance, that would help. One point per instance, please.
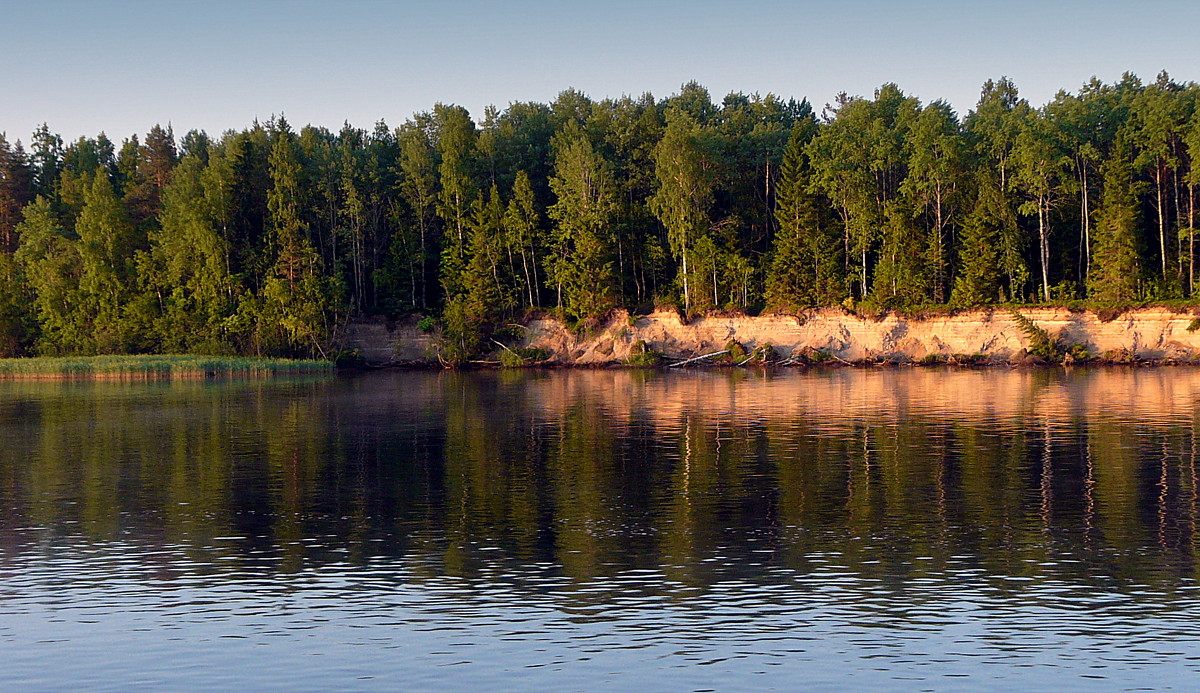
(698, 358)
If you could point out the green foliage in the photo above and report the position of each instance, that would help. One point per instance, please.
(685, 193)
(154, 367)
(1040, 342)
(1114, 273)
(763, 354)
(1078, 353)
(642, 356)
(17, 323)
(581, 267)
(510, 359)
(521, 357)
(737, 352)
(805, 268)
(266, 240)
(982, 271)
(427, 324)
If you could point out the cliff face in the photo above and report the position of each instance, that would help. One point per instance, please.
(380, 342)
(1149, 333)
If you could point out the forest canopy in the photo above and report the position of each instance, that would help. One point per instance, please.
(268, 240)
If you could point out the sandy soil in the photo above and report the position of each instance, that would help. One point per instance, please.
(1147, 333)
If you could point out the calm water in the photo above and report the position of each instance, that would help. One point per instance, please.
(893, 529)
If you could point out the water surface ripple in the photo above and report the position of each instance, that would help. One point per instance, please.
(902, 529)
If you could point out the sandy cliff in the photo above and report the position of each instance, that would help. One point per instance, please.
(1149, 333)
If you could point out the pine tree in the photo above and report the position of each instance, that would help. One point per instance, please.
(473, 314)
(45, 157)
(904, 273)
(17, 323)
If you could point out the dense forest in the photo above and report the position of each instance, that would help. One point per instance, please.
(268, 240)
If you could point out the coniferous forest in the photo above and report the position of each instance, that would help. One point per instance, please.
(269, 239)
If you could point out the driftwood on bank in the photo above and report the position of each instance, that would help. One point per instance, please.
(698, 358)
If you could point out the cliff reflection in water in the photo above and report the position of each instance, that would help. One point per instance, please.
(702, 477)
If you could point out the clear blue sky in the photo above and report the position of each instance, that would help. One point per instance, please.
(120, 67)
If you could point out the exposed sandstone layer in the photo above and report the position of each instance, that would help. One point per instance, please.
(1147, 333)
(1152, 333)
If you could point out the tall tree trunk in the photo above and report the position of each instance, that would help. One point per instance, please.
(1191, 239)
(1162, 226)
(1044, 242)
(939, 292)
(1085, 213)
(687, 297)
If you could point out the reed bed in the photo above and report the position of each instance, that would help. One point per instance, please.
(154, 367)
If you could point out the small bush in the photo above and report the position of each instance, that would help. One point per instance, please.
(932, 360)
(511, 359)
(1040, 342)
(427, 324)
(642, 356)
(533, 353)
(812, 355)
(1078, 353)
(764, 353)
(968, 359)
(1194, 325)
(522, 356)
(1119, 355)
(737, 352)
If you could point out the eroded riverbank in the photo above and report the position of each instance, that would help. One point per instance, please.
(1153, 334)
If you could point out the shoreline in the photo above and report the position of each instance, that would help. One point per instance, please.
(154, 367)
(992, 337)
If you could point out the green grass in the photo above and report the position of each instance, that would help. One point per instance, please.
(154, 367)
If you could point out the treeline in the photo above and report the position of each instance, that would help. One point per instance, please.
(266, 240)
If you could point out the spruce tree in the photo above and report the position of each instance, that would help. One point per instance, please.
(980, 270)
(1116, 266)
(16, 191)
(805, 267)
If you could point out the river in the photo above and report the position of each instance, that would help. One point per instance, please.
(893, 529)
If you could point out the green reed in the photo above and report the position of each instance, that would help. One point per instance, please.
(153, 367)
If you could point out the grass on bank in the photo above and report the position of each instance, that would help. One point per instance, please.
(154, 367)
